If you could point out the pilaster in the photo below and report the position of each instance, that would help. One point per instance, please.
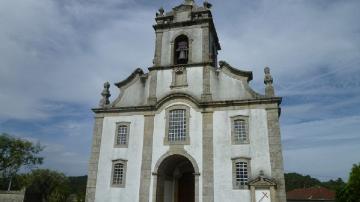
(145, 179)
(276, 158)
(205, 43)
(152, 88)
(208, 157)
(206, 95)
(158, 48)
(94, 160)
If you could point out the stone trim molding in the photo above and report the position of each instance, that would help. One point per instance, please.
(276, 159)
(234, 161)
(187, 119)
(123, 85)
(181, 152)
(189, 65)
(236, 72)
(124, 163)
(94, 160)
(172, 43)
(232, 120)
(262, 182)
(199, 104)
(179, 78)
(208, 157)
(118, 124)
(145, 180)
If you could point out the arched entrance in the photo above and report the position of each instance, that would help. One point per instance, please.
(175, 180)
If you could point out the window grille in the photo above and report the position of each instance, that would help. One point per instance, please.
(177, 125)
(241, 174)
(122, 135)
(240, 135)
(118, 175)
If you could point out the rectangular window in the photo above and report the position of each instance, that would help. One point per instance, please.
(122, 134)
(177, 125)
(241, 173)
(240, 130)
(118, 173)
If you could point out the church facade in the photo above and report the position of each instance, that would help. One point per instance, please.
(191, 129)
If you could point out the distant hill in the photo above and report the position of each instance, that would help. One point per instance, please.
(298, 181)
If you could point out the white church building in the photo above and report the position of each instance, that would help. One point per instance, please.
(190, 129)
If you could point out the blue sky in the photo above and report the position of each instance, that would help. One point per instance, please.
(55, 56)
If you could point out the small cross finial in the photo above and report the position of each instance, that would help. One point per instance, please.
(268, 81)
(105, 95)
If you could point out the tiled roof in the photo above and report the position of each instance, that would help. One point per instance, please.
(316, 193)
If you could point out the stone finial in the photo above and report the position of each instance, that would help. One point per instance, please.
(207, 4)
(189, 2)
(161, 11)
(105, 95)
(268, 81)
(261, 173)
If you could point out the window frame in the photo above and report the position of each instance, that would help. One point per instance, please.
(234, 141)
(167, 125)
(234, 162)
(119, 124)
(123, 181)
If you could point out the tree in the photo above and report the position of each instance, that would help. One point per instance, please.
(295, 181)
(350, 192)
(16, 153)
(48, 186)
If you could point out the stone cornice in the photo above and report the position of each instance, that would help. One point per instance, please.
(180, 65)
(199, 104)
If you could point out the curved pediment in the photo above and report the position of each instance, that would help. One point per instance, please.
(137, 72)
(235, 72)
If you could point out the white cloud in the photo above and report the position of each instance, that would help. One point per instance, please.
(58, 53)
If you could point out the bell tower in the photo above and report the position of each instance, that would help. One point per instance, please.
(186, 36)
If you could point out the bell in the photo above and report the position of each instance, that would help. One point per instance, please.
(182, 55)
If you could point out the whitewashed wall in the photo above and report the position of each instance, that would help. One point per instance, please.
(224, 87)
(194, 79)
(104, 191)
(257, 150)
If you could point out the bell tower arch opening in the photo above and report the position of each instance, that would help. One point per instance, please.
(181, 55)
(175, 180)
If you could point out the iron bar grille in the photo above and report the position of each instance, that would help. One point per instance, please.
(118, 174)
(177, 125)
(240, 131)
(122, 135)
(241, 173)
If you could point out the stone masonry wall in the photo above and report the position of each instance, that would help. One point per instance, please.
(12, 196)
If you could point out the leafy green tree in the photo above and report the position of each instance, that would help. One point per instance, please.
(48, 186)
(334, 184)
(351, 191)
(16, 153)
(78, 187)
(295, 181)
